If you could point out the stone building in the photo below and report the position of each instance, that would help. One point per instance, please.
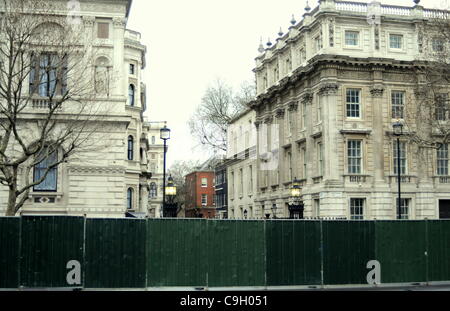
(242, 167)
(155, 155)
(328, 92)
(113, 179)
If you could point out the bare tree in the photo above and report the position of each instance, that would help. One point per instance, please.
(178, 171)
(429, 113)
(46, 91)
(220, 104)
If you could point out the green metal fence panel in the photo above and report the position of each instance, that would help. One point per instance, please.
(176, 252)
(400, 247)
(348, 246)
(48, 243)
(9, 252)
(236, 254)
(115, 253)
(293, 251)
(438, 241)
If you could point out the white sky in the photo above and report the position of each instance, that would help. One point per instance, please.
(192, 42)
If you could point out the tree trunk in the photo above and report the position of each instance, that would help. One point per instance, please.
(12, 197)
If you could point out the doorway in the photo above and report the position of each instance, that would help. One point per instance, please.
(444, 209)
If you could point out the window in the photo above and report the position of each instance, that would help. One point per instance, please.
(352, 38)
(103, 30)
(404, 208)
(130, 147)
(398, 104)
(204, 199)
(357, 209)
(354, 156)
(442, 107)
(320, 158)
(353, 103)
(402, 158)
(153, 190)
(442, 160)
(48, 75)
(204, 182)
(395, 41)
(131, 69)
(49, 183)
(438, 45)
(131, 95)
(130, 198)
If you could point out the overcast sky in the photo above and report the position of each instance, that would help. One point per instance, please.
(192, 42)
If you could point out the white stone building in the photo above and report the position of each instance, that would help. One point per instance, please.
(111, 180)
(155, 155)
(242, 167)
(328, 93)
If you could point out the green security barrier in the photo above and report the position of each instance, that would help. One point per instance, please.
(236, 254)
(48, 243)
(400, 247)
(9, 252)
(438, 241)
(177, 252)
(115, 253)
(293, 252)
(348, 247)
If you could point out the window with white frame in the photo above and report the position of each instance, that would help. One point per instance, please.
(357, 208)
(204, 199)
(398, 104)
(396, 41)
(402, 158)
(351, 38)
(404, 208)
(354, 156)
(204, 182)
(442, 160)
(320, 158)
(353, 103)
(46, 166)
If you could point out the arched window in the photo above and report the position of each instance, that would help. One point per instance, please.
(153, 190)
(130, 147)
(49, 183)
(130, 198)
(131, 95)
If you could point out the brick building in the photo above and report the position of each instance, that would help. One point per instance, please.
(200, 193)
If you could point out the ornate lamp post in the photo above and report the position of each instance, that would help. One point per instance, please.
(295, 203)
(164, 135)
(245, 214)
(398, 131)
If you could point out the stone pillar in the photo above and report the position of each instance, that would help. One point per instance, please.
(121, 84)
(377, 92)
(328, 100)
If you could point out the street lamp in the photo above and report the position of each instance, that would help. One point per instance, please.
(171, 192)
(245, 214)
(171, 189)
(295, 203)
(164, 135)
(398, 131)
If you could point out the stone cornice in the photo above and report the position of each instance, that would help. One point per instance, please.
(328, 89)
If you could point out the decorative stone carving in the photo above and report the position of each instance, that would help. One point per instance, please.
(268, 119)
(293, 106)
(119, 22)
(329, 89)
(279, 113)
(257, 123)
(307, 98)
(89, 21)
(377, 37)
(377, 91)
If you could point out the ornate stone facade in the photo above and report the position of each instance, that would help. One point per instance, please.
(339, 143)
